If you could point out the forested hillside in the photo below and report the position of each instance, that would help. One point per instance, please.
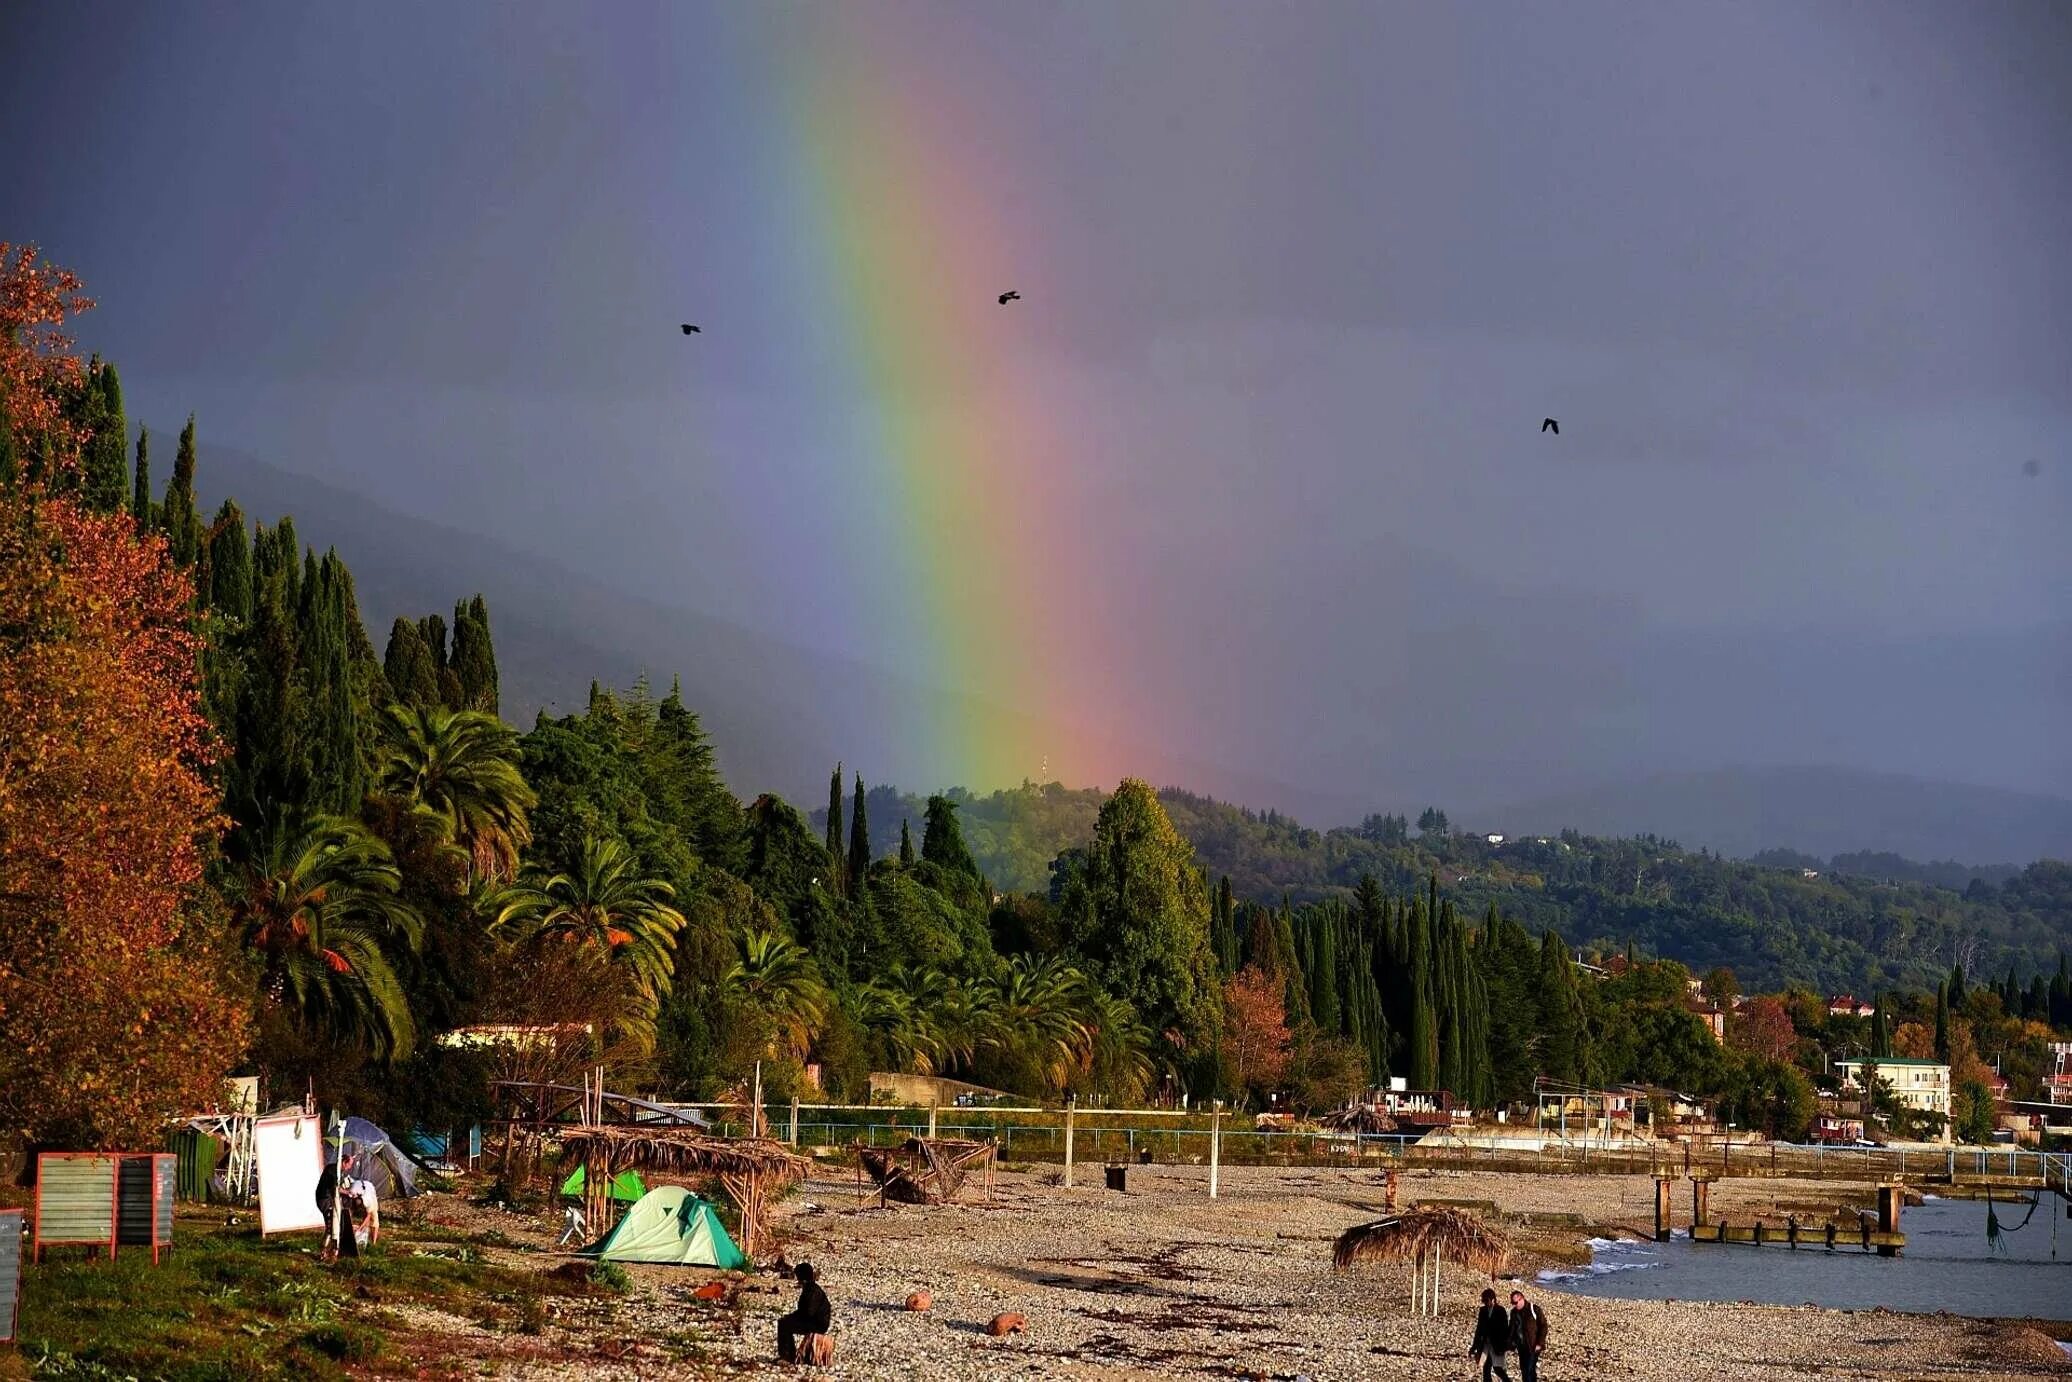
(1865, 923)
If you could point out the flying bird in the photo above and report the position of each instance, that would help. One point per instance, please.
(1548, 424)
(1009, 296)
(2032, 467)
(690, 330)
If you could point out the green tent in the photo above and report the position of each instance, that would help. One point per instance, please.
(670, 1225)
(627, 1186)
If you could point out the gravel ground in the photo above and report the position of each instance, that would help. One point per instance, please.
(1164, 1282)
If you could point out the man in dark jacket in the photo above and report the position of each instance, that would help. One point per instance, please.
(1528, 1336)
(814, 1316)
(1492, 1338)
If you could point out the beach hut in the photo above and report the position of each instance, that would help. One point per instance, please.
(670, 1226)
(749, 1169)
(1424, 1238)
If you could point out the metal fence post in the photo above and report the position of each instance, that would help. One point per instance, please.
(1070, 1105)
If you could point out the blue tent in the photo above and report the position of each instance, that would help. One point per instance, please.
(376, 1159)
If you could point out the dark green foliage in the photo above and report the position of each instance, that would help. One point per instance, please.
(1942, 1022)
(906, 846)
(474, 658)
(1564, 1037)
(413, 678)
(834, 824)
(942, 840)
(140, 484)
(859, 837)
(179, 520)
(230, 565)
(103, 463)
(1223, 929)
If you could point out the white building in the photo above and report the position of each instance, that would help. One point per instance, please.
(1918, 1084)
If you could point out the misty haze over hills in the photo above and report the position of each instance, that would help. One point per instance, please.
(1516, 737)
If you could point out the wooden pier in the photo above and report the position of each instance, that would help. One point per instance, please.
(1885, 1238)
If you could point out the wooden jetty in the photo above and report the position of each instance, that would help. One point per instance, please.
(1885, 1238)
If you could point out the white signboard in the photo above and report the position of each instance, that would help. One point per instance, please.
(290, 1152)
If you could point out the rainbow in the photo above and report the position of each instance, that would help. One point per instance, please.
(897, 205)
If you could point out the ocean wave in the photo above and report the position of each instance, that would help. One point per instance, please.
(1595, 1269)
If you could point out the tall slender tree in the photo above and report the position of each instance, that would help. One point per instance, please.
(181, 522)
(835, 855)
(104, 471)
(140, 485)
(906, 845)
(859, 839)
(474, 657)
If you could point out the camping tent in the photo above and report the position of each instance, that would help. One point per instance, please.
(375, 1159)
(627, 1186)
(670, 1225)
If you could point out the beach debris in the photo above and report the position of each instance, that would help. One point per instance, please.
(1000, 1326)
(711, 1290)
(919, 1301)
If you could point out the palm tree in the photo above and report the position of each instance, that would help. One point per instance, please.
(775, 976)
(317, 909)
(604, 902)
(1035, 1020)
(460, 766)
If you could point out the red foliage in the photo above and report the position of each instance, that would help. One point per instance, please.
(116, 1009)
(1763, 1026)
(1255, 1028)
(37, 369)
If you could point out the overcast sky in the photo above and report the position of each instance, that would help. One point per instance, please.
(1796, 279)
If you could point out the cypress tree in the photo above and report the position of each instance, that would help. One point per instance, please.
(942, 839)
(337, 772)
(1323, 983)
(834, 824)
(906, 845)
(1957, 986)
(103, 466)
(140, 485)
(1563, 1051)
(407, 665)
(230, 565)
(1942, 1021)
(859, 839)
(474, 661)
(1423, 1056)
(1881, 1037)
(182, 524)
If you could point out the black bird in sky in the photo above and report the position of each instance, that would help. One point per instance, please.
(2032, 467)
(1009, 296)
(690, 330)
(1548, 424)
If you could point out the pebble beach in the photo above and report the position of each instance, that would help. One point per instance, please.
(1161, 1281)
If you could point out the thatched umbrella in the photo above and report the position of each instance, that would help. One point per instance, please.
(749, 1169)
(925, 1170)
(1424, 1238)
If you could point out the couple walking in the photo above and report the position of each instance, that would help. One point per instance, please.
(1522, 1330)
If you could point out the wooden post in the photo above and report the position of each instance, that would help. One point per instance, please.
(1071, 1104)
(794, 1121)
(1662, 1213)
(1215, 1146)
(931, 1123)
(1890, 1198)
(1701, 1187)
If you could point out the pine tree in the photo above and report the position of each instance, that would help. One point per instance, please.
(140, 485)
(906, 845)
(181, 523)
(412, 677)
(859, 840)
(834, 826)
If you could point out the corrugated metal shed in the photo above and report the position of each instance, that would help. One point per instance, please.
(10, 1272)
(145, 1206)
(75, 1199)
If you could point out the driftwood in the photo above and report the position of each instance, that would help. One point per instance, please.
(925, 1170)
(1360, 1118)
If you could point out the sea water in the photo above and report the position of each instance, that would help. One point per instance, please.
(1947, 1265)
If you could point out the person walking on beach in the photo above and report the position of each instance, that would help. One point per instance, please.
(1528, 1335)
(1492, 1338)
(815, 1315)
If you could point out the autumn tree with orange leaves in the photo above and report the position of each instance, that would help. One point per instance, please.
(119, 1005)
(1255, 1029)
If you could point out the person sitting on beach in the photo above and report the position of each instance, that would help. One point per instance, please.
(1492, 1338)
(1528, 1336)
(815, 1315)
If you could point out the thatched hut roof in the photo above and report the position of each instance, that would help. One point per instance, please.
(922, 1170)
(1458, 1236)
(1360, 1118)
(672, 1150)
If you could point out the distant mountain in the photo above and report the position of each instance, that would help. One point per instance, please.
(780, 715)
(1820, 811)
